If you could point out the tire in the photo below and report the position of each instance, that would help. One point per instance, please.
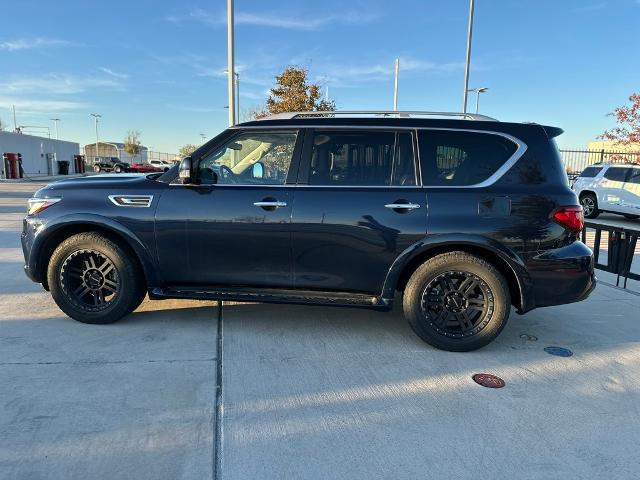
(96, 168)
(449, 319)
(631, 216)
(589, 204)
(76, 266)
(117, 169)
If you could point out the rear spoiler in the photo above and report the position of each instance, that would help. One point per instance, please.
(552, 132)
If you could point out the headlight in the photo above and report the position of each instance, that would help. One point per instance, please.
(37, 205)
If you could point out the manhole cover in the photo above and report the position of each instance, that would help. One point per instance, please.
(488, 380)
(531, 338)
(558, 351)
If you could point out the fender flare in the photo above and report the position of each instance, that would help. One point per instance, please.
(450, 242)
(45, 233)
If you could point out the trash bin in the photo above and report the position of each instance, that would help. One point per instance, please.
(63, 167)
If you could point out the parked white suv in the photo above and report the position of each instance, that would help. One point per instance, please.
(609, 187)
(161, 164)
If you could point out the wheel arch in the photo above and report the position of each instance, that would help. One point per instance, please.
(506, 262)
(49, 239)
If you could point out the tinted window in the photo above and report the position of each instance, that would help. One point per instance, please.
(461, 158)
(362, 158)
(635, 176)
(258, 158)
(617, 174)
(590, 172)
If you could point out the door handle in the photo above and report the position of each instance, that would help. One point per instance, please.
(270, 205)
(402, 206)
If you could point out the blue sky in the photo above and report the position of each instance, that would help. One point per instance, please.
(157, 66)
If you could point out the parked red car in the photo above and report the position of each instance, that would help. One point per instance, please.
(143, 168)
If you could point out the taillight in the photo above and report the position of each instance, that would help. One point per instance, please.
(570, 218)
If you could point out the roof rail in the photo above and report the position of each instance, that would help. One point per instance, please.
(377, 113)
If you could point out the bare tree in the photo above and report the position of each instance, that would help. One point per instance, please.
(132, 144)
(187, 150)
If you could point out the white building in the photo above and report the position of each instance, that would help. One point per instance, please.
(39, 154)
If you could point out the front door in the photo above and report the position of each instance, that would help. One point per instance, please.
(234, 228)
(357, 207)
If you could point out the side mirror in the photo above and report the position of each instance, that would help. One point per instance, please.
(185, 172)
(257, 171)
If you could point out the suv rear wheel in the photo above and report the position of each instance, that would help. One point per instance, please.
(96, 168)
(589, 204)
(457, 302)
(94, 280)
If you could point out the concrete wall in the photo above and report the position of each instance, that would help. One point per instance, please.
(38, 153)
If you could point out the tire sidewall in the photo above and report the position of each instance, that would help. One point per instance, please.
(126, 271)
(421, 325)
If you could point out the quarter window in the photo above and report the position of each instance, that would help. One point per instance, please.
(362, 158)
(459, 158)
(618, 174)
(635, 176)
(258, 158)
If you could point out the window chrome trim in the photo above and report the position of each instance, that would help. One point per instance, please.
(497, 175)
(135, 201)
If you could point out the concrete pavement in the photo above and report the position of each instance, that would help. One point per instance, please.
(307, 392)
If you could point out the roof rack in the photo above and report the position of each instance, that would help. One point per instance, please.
(378, 113)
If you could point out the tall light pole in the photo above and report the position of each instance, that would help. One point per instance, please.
(237, 94)
(55, 124)
(478, 91)
(203, 137)
(466, 65)
(95, 118)
(230, 64)
(395, 85)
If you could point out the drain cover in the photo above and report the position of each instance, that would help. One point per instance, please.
(558, 351)
(531, 338)
(488, 380)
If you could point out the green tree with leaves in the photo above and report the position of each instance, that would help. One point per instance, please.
(132, 144)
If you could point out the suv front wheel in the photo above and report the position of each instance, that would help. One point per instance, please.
(457, 302)
(94, 280)
(589, 204)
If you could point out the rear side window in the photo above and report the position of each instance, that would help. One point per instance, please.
(635, 176)
(362, 158)
(458, 158)
(618, 174)
(590, 172)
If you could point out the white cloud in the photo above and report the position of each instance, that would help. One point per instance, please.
(54, 83)
(32, 43)
(35, 106)
(277, 21)
(110, 72)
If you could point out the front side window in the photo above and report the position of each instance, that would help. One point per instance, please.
(459, 158)
(362, 159)
(617, 174)
(259, 158)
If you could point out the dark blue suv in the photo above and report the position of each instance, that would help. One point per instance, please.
(461, 216)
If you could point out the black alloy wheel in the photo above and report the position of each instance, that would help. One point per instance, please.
(90, 280)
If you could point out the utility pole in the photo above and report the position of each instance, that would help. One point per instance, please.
(395, 86)
(96, 117)
(230, 64)
(466, 65)
(15, 124)
(55, 124)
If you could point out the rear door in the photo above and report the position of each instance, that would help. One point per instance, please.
(611, 193)
(358, 205)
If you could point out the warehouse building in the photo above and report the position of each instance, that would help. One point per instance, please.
(39, 154)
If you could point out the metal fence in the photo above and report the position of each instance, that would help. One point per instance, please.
(615, 250)
(143, 157)
(577, 160)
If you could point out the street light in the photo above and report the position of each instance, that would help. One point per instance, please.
(478, 91)
(203, 136)
(466, 65)
(230, 64)
(96, 117)
(55, 124)
(395, 85)
(236, 83)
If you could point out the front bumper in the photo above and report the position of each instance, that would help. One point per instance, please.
(29, 232)
(562, 275)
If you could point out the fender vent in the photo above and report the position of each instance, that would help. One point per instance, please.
(140, 201)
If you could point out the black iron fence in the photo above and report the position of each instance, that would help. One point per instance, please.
(577, 160)
(615, 250)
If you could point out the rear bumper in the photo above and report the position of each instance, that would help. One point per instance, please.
(562, 275)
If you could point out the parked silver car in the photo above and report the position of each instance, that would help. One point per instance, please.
(609, 187)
